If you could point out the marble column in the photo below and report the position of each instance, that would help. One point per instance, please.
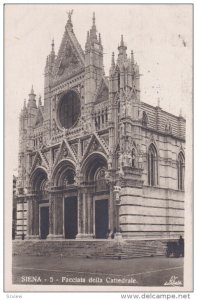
(112, 212)
(90, 213)
(56, 219)
(84, 215)
(116, 191)
(33, 218)
(80, 214)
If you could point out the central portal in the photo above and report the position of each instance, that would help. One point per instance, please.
(70, 217)
(101, 218)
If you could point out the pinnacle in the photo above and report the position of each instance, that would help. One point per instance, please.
(122, 41)
(32, 90)
(93, 19)
(132, 57)
(112, 59)
(99, 38)
(69, 21)
(93, 29)
(52, 45)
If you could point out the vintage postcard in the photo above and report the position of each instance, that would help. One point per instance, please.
(98, 147)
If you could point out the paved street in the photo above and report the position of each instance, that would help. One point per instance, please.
(149, 271)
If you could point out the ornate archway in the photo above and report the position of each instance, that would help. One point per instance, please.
(65, 204)
(95, 195)
(64, 173)
(38, 204)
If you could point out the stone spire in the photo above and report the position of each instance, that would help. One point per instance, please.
(132, 57)
(93, 35)
(51, 57)
(100, 39)
(32, 90)
(112, 67)
(122, 49)
(32, 99)
(112, 60)
(87, 45)
(53, 47)
(93, 62)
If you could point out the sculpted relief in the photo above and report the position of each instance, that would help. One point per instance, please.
(69, 60)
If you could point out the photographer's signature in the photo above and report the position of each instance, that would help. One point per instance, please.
(173, 281)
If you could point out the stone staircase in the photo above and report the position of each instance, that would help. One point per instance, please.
(90, 248)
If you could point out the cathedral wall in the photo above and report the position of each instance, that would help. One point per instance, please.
(152, 212)
(21, 218)
(168, 149)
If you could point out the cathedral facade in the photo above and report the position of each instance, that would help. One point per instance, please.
(95, 161)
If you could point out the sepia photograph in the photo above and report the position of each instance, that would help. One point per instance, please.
(98, 112)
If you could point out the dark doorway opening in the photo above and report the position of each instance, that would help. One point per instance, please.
(44, 222)
(101, 218)
(70, 217)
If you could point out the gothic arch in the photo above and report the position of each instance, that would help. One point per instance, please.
(38, 179)
(152, 160)
(181, 170)
(153, 142)
(92, 163)
(63, 173)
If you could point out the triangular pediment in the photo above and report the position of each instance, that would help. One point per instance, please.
(102, 91)
(70, 58)
(95, 145)
(65, 152)
(38, 162)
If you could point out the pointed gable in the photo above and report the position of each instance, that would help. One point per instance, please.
(96, 144)
(65, 152)
(70, 59)
(38, 162)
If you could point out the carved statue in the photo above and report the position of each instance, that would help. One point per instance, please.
(110, 162)
(65, 152)
(120, 163)
(69, 13)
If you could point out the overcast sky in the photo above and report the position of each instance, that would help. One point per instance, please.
(159, 35)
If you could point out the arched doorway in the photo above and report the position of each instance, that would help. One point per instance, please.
(64, 181)
(39, 185)
(94, 169)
